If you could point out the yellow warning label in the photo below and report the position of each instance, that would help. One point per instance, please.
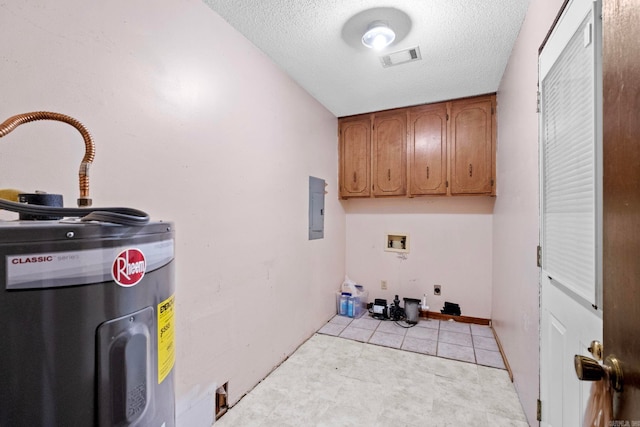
(166, 335)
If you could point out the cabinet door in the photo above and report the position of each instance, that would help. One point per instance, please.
(428, 150)
(472, 146)
(355, 157)
(390, 154)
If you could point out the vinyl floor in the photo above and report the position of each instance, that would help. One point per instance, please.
(338, 381)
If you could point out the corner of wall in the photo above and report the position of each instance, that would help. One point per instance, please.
(516, 284)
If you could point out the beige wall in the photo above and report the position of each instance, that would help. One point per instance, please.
(450, 245)
(195, 125)
(515, 299)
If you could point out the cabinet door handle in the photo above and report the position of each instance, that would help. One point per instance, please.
(427, 172)
(388, 174)
(354, 177)
(470, 169)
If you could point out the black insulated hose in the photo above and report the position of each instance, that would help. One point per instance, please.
(121, 216)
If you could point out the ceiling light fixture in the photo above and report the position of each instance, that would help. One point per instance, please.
(378, 35)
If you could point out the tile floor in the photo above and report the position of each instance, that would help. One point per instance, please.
(335, 382)
(450, 339)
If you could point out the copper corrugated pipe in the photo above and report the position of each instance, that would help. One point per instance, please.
(90, 150)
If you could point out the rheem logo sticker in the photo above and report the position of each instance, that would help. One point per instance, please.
(128, 267)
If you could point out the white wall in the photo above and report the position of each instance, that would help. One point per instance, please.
(515, 220)
(450, 245)
(195, 125)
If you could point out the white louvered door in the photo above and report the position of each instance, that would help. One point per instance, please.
(570, 208)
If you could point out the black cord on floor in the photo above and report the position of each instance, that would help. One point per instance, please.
(411, 325)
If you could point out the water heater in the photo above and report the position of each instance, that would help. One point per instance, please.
(87, 319)
(86, 312)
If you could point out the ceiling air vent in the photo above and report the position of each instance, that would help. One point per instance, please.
(401, 57)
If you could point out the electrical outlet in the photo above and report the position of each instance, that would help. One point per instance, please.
(437, 290)
(383, 285)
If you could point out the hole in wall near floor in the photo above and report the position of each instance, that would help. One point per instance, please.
(221, 400)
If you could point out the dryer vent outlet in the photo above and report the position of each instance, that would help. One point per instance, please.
(222, 404)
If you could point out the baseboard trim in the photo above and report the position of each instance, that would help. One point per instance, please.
(504, 356)
(462, 319)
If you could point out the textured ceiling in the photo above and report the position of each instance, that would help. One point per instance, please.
(464, 45)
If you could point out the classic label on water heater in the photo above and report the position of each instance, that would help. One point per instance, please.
(166, 347)
(37, 270)
(128, 267)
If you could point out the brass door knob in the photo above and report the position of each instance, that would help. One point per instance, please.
(588, 369)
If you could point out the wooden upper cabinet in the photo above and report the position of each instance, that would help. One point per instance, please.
(389, 169)
(355, 157)
(472, 146)
(445, 149)
(428, 149)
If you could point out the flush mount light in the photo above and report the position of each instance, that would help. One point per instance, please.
(361, 22)
(378, 36)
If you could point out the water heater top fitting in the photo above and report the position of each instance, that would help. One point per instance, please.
(13, 122)
(124, 216)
